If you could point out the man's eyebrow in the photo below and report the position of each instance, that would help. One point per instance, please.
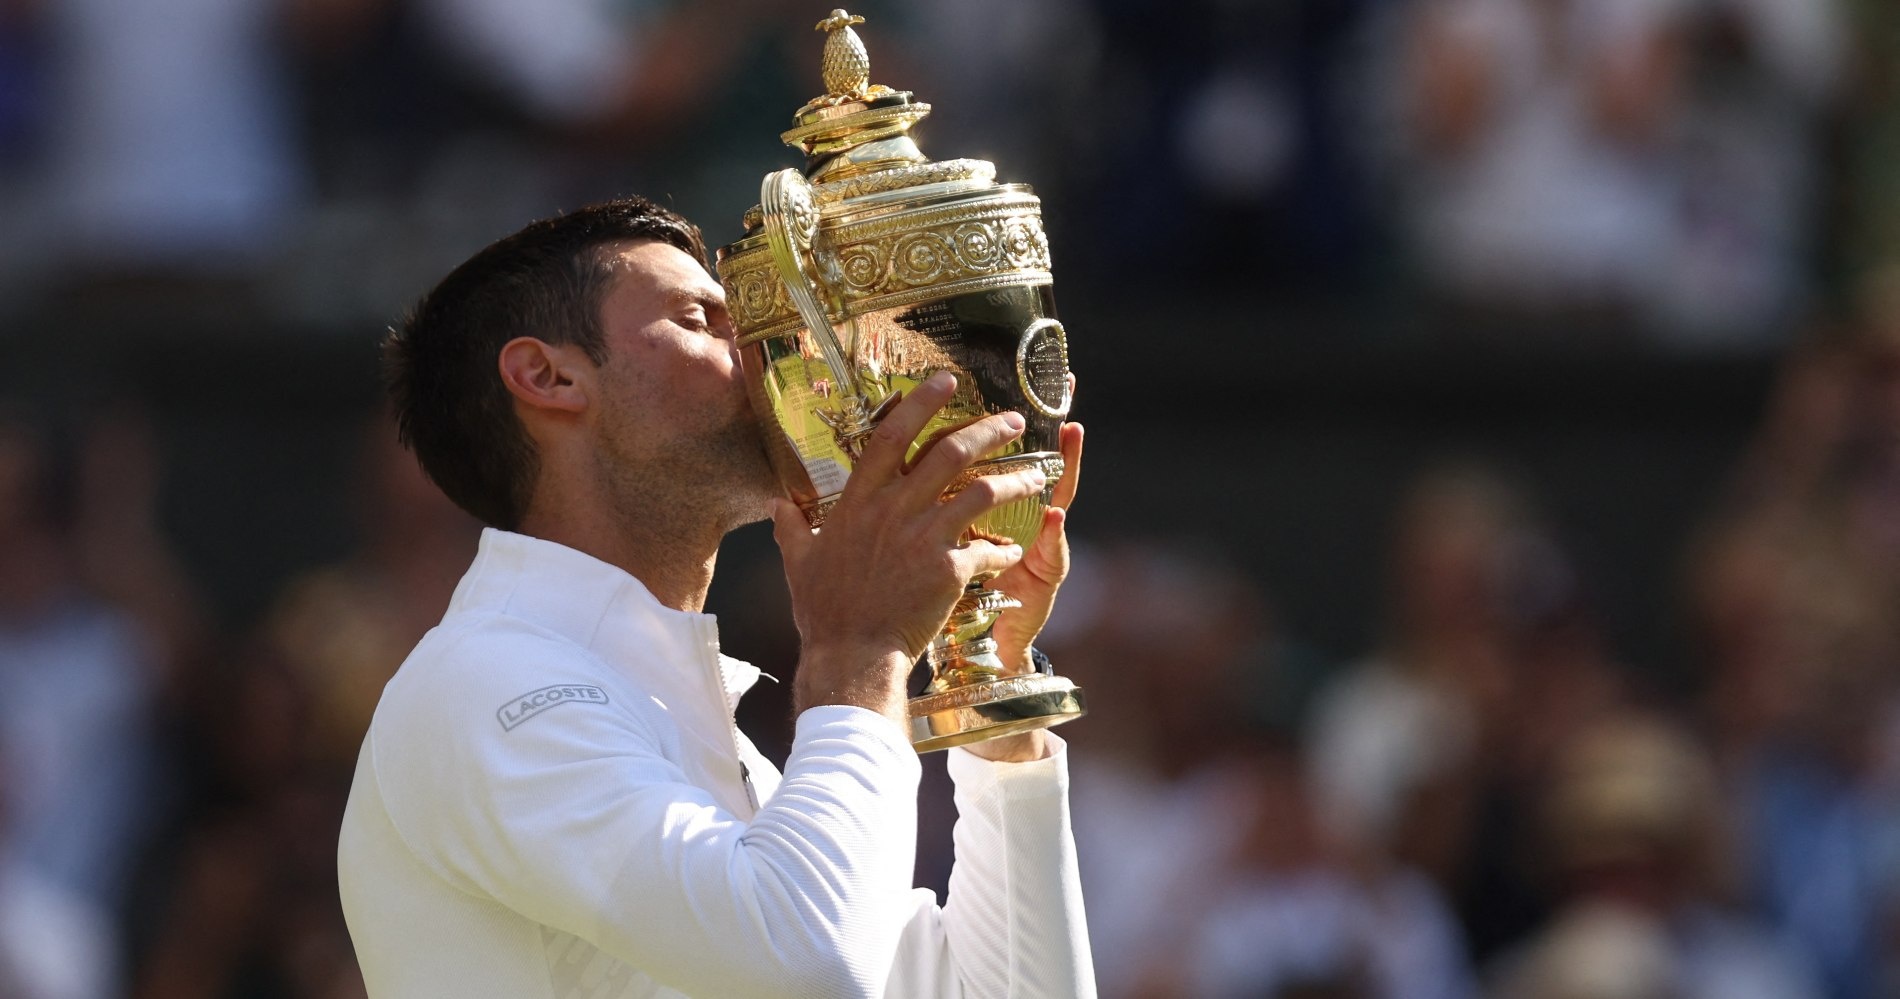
(695, 296)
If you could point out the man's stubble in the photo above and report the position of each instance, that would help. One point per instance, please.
(714, 476)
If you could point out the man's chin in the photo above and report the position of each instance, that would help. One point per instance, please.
(746, 513)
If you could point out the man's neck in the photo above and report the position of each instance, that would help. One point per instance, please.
(673, 560)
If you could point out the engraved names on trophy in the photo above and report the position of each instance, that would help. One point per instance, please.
(935, 321)
(1042, 367)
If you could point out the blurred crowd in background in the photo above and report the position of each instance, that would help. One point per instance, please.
(1482, 795)
(1664, 168)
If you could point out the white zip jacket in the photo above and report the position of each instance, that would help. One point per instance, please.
(553, 803)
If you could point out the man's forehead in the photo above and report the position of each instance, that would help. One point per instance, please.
(651, 267)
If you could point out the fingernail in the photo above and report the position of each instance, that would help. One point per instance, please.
(1037, 478)
(1013, 420)
(939, 379)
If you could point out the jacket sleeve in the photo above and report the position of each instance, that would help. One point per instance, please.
(579, 822)
(1013, 924)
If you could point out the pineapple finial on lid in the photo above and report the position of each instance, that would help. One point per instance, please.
(853, 113)
(846, 66)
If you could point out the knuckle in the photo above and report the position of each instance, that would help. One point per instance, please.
(887, 436)
(984, 489)
(956, 450)
(951, 566)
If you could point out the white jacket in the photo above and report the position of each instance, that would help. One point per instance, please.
(553, 803)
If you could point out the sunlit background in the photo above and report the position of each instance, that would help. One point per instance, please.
(1489, 555)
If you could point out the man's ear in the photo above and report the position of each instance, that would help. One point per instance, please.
(546, 376)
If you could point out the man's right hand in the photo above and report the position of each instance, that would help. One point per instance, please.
(877, 582)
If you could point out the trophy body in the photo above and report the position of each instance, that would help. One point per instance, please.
(858, 278)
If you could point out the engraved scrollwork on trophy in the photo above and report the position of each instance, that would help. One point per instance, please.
(752, 296)
(1023, 244)
(883, 263)
(977, 245)
(865, 267)
(923, 258)
(756, 297)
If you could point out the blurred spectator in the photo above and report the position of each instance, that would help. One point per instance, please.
(342, 630)
(1428, 752)
(585, 61)
(170, 142)
(174, 141)
(1159, 639)
(1206, 875)
(1767, 73)
(1290, 917)
(1631, 823)
(1205, 144)
(1596, 951)
(54, 944)
(1538, 173)
(246, 903)
(334, 153)
(1207, 872)
(122, 552)
(1793, 595)
(1646, 162)
(250, 907)
(75, 726)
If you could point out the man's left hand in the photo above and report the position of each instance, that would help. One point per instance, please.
(1033, 582)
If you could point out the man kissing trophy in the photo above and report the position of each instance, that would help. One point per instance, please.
(860, 276)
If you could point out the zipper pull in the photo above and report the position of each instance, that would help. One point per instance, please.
(745, 776)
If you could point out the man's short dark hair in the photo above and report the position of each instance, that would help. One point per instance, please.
(546, 282)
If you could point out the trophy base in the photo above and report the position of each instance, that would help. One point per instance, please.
(991, 709)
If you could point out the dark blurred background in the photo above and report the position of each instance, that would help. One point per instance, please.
(1489, 559)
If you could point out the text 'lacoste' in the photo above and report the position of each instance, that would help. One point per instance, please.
(520, 709)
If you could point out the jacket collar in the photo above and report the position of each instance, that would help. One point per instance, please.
(672, 654)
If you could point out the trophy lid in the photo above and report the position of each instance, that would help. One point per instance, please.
(856, 136)
(888, 227)
(856, 126)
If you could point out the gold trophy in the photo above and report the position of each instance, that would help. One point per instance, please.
(860, 276)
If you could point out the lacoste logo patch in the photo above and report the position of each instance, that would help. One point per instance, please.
(520, 709)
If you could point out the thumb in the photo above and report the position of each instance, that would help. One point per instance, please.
(1052, 545)
(789, 528)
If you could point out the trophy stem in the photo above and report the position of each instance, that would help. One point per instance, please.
(964, 653)
(969, 699)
